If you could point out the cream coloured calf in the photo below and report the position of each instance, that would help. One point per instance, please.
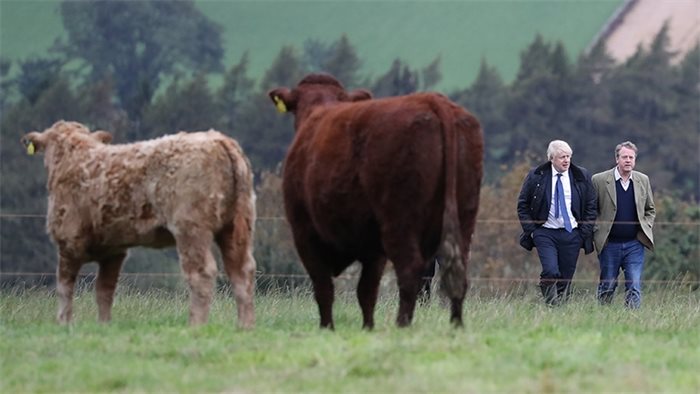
(189, 190)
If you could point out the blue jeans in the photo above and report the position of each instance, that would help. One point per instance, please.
(628, 256)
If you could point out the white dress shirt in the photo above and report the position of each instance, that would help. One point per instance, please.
(553, 222)
(625, 184)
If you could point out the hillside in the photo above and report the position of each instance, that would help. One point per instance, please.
(640, 21)
(460, 32)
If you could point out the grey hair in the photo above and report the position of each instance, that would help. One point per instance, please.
(557, 146)
(626, 144)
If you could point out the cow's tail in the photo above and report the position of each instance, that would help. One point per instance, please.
(453, 277)
(244, 204)
(239, 261)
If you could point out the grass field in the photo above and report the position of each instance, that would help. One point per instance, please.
(461, 32)
(509, 344)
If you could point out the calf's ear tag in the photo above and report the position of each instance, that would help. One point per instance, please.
(30, 148)
(280, 104)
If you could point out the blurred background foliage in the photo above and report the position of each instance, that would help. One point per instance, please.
(144, 69)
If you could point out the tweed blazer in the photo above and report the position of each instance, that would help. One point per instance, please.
(604, 184)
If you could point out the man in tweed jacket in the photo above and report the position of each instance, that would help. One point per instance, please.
(626, 215)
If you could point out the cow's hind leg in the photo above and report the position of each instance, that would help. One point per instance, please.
(461, 261)
(237, 254)
(199, 267)
(409, 266)
(454, 285)
(427, 282)
(456, 312)
(324, 293)
(458, 288)
(106, 284)
(409, 281)
(368, 288)
(66, 274)
(318, 258)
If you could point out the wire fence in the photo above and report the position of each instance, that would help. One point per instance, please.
(345, 286)
(495, 265)
(479, 221)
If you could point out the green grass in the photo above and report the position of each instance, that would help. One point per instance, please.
(417, 31)
(509, 344)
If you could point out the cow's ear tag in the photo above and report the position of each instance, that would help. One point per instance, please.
(30, 148)
(280, 104)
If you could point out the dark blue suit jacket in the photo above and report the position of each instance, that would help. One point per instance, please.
(535, 197)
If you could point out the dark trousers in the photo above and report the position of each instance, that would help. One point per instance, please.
(558, 250)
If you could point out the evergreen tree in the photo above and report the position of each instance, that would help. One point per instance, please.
(24, 244)
(6, 85)
(642, 99)
(187, 106)
(596, 65)
(343, 63)
(230, 98)
(286, 70)
(559, 62)
(315, 54)
(338, 59)
(37, 75)
(399, 80)
(101, 112)
(676, 250)
(540, 104)
(689, 78)
(431, 74)
(486, 99)
(533, 60)
(592, 119)
(684, 141)
(264, 134)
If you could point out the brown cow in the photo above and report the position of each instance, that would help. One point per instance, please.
(188, 190)
(368, 180)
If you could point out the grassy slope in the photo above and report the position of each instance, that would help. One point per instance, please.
(508, 345)
(461, 32)
(28, 28)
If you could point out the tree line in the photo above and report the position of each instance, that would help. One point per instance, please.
(145, 69)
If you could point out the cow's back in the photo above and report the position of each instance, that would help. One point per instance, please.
(135, 194)
(358, 167)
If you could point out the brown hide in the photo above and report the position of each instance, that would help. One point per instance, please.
(188, 190)
(376, 179)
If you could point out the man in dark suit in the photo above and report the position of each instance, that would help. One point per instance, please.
(557, 210)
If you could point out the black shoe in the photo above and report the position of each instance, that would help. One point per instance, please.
(550, 295)
(605, 298)
(564, 294)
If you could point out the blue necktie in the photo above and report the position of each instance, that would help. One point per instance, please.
(560, 204)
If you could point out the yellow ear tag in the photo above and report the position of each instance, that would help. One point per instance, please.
(30, 148)
(280, 105)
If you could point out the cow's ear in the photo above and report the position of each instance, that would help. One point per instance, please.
(283, 99)
(34, 142)
(360, 95)
(104, 137)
